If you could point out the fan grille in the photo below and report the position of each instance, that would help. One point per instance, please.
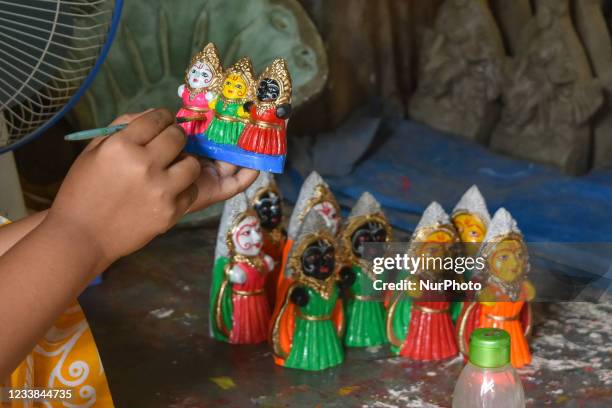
(47, 51)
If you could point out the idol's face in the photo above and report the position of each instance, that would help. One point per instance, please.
(370, 231)
(247, 237)
(471, 230)
(234, 87)
(268, 90)
(507, 261)
(434, 249)
(329, 213)
(200, 75)
(269, 210)
(318, 260)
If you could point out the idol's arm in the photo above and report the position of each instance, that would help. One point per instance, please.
(487, 296)
(299, 296)
(529, 291)
(283, 111)
(269, 262)
(243, 113)
(210, 96)
(237, 275)
(415, 292)
(347, 278)
(212, 103)
(247, 106)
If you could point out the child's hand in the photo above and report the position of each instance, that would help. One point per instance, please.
(125, 189)
(120, 193)
(220, 181)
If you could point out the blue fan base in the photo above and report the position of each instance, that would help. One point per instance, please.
(201, 146)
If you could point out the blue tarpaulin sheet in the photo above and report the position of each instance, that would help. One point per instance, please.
(416, 165)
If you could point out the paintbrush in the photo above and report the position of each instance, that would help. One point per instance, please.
(107, 131)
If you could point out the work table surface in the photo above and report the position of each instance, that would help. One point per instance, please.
(150, 321)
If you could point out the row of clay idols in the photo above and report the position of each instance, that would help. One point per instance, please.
(309, 291)
(236, 118)
(542, 102)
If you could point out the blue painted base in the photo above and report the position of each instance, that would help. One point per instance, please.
(201, 146)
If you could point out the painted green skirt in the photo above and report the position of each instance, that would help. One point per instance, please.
(316, 345)
(224, 132)
(365, 323)
(365, 317)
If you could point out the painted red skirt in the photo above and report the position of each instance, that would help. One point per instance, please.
(431, 335)
(264, 134)
(251, 309)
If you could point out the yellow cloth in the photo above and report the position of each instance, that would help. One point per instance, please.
(67, 357)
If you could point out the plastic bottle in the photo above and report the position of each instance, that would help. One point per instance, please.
(488, 380)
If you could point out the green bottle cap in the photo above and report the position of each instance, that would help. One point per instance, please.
(489, 348)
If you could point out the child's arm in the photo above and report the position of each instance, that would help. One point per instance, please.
(120, 193)
(12, 233)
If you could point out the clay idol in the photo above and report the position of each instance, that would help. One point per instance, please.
(419, 324)
(471, 218)
(249, 124)
(265, 198)
(202, 79)
(230, 116)
(307, 330)
(315, 195)
(265, 133)
(220, 141)
(503, 300)
(364, 309)
(239, 308)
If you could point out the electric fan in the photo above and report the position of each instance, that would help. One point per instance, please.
(50, 51)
